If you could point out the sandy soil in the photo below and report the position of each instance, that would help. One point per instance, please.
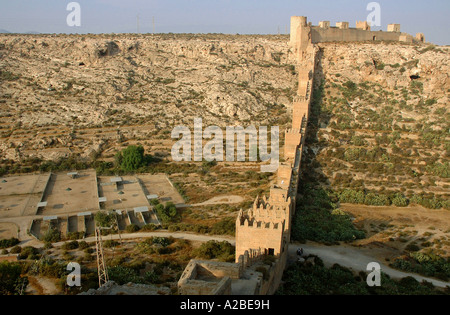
(8, 230)
(396, 227)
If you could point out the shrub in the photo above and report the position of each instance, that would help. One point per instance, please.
(167, 213)
(104, 219)
(11, 283)
(6, 243)
(29, 253)
(223, 251)
(70, 245)
(372, 199)
(149, 227)
(122, 275)
(226, 226)
(83, 245)
(132, 228)
(16, 250)
(52, 236)
(399, 201)
(412, 248)
(352, 196)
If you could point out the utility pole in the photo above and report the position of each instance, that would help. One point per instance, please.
(101, 266)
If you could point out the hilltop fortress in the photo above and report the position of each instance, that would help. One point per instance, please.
(304, 34)
(263, 232)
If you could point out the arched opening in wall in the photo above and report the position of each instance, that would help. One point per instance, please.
(374, 38)
(271, 252)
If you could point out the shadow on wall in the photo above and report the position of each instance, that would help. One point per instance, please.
(314, 219)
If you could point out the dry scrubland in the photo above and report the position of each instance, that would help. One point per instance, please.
(379, 141)
(378, 136)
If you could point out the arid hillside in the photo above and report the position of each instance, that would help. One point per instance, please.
(64, 95)
(382, 120)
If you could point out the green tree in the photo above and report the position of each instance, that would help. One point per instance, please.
(104, 219)
(167, 213)
(132, 158)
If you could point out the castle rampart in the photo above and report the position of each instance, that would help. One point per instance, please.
(303, 33)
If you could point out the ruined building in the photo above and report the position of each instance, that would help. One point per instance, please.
(263, 231)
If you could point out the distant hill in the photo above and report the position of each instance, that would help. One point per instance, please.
(2, 31)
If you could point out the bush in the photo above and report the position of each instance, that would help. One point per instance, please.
(167, 213)
(11, 283)
(226, 226)
(149, 227)
(399, 201)
(83, 245)
(6, 243)
(122, 275)
(132, 228)
(52, 236)
(222, 251)
(16, 250)
(352, 196)
(412, 248)
(29, 253)
(104, 219)
(372, 199)
(70, 245)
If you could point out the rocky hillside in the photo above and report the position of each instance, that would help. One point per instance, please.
(382, 122)
(71, 94)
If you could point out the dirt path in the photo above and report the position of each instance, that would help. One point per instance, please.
(219, 200)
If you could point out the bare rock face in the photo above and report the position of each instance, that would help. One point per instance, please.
(393, 65)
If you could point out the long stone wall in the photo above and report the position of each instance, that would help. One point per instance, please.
(264, 230)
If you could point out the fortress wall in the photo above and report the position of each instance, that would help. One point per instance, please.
(292, 140)
(258, 236)
(334, 34)
(300, 110)
(275, 274)
(284, 175)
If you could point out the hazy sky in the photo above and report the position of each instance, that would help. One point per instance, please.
(220, 16)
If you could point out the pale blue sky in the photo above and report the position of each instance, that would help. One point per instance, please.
(220, 16)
